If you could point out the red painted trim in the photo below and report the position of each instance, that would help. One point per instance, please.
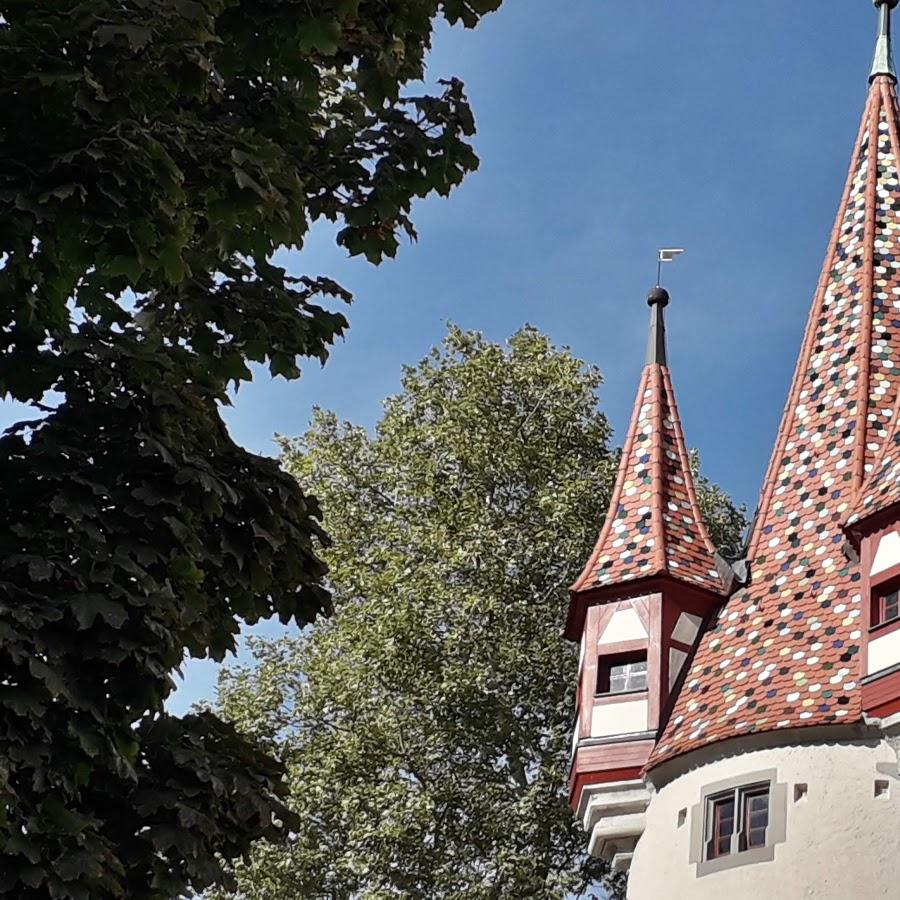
(613, 699)
(865, 566)
(657, 678)
(689, 596)
(716, 849)
(877, 631)
(884, 710)
(869, 587)
(881, 697)
(588, 682)
(605, 617)
(579, 782)
(642, 608)
(888, 574)
(620, 647)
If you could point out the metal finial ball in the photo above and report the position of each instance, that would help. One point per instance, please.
(660, 295)
(890, 3)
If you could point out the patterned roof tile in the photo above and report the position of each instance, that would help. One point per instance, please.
(784, 651)
(653, 526)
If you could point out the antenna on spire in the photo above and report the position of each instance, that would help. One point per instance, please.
(670, 254)
(883, 64)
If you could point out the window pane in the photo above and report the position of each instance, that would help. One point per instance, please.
(755, 819)
(630, 676)
(891, 606)
(637, 676)
(721, 827)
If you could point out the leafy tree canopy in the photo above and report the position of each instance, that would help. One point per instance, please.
(154, 154)
(426, 728)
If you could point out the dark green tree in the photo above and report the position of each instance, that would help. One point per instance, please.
(153, 155)
(426, 728)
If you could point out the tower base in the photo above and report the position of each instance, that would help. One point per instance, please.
(833, 828)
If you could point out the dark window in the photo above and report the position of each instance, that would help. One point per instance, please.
(756, 819)
(737, 821)
(622, 674)
(722, 827)
(886, 604)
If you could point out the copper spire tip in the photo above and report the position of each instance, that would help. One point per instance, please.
(883, 64)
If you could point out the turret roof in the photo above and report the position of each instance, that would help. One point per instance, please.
(785, 651)
(653, 527)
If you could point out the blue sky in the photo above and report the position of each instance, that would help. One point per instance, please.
(605, 132)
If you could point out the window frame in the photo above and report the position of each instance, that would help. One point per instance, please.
(776, 828)
(880, 592)
(739, 838)
(605, 665)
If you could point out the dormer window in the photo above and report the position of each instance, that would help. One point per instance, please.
(623, 673)
(886, 604)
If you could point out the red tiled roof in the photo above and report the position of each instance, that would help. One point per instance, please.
(784, 652)
(653, 526)
(881, 489)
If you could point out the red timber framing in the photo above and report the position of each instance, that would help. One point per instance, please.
(880, 689)
(600, 757)
(881, 696)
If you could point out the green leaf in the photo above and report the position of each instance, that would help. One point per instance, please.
(319, 34)
(88, 607)
(172, 262)
(183, 568)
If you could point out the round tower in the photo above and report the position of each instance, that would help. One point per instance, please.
(769, 765)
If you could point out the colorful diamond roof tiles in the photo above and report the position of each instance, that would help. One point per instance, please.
(784, 652)
(653, 526)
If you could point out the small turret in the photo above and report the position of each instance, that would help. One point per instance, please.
(638, 607)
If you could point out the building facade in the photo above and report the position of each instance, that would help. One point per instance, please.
(738, 723)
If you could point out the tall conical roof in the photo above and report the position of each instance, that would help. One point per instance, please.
(653, 527)
(784, 652)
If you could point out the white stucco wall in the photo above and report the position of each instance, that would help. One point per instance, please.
(888, 553)
(619, 718)
(625, 625)
(884, 651)
(842, 843)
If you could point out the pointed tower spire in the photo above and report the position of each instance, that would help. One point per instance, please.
(654, 527)
(833, 438)
(657, 300)
(883, 63)
(639, 604)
